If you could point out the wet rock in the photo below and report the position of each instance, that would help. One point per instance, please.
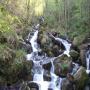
(87, 86)
(33, 86)
(68, 83)
(63, 65)
(26, 47)
(47, 76)
(24, 86)
(83, 49)
(45, 43)
(47, 66)
(81, 78)
(48, 45)
(56, 50)
(74, 47)
(74, 54)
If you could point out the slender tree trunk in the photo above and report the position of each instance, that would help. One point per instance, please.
(27, 13)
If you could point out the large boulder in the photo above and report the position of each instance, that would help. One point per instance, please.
(68, 83)
(47, 76)
(63, 65)
(45, 43)
(24, 86)
(33, 86)
(81, 78)
(83, 49)
(48, 45)
(74, 54)
(47, 66)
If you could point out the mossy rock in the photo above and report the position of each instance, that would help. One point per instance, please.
(78, 40)
(63, 58)
(74, 54)
(45, 43)
(81, 78)
(62, 65)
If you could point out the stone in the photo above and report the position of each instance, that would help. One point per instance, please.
(33, 86)
(63, 65)
(47, 66)
(83, 49)
(74, 54)
(81, 78)
(47, 76)
(68, 83)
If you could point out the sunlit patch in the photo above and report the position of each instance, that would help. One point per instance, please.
(39, 7)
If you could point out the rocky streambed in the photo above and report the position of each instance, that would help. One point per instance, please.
(52, 63)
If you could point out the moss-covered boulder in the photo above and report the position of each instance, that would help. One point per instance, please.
(68, 83)
(45, 42)
(83, 50)
(48, 45)
(74, 54)
(63, 65)
(81, 78)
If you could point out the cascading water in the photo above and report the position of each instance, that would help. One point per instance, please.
(65, 43)
(37, 69)
(55, 83)
(88, 61)
(55, 80)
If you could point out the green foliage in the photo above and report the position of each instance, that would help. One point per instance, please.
(12, 63)
(20, 55)
(11, 59)
(70, 17)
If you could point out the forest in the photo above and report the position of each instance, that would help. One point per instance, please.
(41, 37)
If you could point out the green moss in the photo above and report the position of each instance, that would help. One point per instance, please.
(79, 39)
(81, 78)
(20, 55)
(6, 54)
(13, 66)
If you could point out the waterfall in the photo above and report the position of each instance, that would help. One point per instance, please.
(37, 68)
(65, 43)
(38, 71)
(88, 61)
(55, 80)
(33, 42)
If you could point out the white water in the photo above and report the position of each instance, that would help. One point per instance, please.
(65, 43)
(75, 68)
(34, 45)
(55, 82)
(38, 70)
(33, 42)
(88, 62)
